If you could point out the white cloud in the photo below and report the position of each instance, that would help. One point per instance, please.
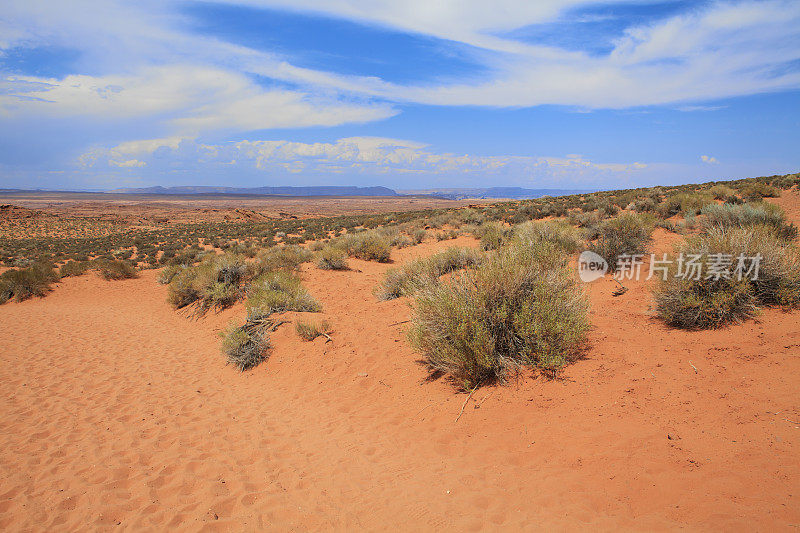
(352, 155)
(188, 99)
(709, 160)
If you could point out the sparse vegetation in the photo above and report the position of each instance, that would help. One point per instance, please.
(627, 234)
(245, 347)
(308, 330)
(21, 284)
(417, 274)
(520, 307)
(331, 258)
(713, 301)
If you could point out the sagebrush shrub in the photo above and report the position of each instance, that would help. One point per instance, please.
(684, 203)
(558, 232)
(708, 302)
(114, 269)
(412, 276)
(74, 268)
(24, 283)
(754, 191)
(331, 258)
(521, 306)
(491, 234)
(626, 234)
(276, 292)
(748, 215)
(367, 245)
(245, 347)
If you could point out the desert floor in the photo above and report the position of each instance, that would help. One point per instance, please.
(115, 410)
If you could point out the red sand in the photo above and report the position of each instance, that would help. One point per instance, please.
(116, 410)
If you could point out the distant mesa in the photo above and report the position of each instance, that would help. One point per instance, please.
(265, 191)
(511, 193)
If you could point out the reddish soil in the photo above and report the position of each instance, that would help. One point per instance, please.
(116, 410)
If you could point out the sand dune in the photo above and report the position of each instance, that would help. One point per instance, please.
(117, 411)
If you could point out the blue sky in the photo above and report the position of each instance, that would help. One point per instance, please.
(413, 94)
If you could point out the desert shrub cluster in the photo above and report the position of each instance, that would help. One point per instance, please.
(23, 283)
(332, 258)
(749, 215)
(416, 274)
(521, 306)
(704, 301)
(628, 234)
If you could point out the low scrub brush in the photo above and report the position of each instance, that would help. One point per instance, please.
(21, 284)
(627, 234)
(331, 258)
(521, 307)
(714, 301)
(407, 279)
(308, 330)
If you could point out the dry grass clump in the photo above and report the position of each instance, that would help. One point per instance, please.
(288, 257)
(684, 203)
(308, 330)
(748, 215)
(627, 234)
(491, 234)
(416, 274)
(709, 302)
(367, 245)
(24, 283)
(521, 307)
(277, 292)
(558, 232)
(74, 268)
(244, 346)
(114, 269)
(331, 258)
(755, 191)
(213, 284)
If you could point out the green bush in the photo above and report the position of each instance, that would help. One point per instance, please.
(557, 232)
(521, 306)
(330, 258)
(748, 215)
(416, 274)
(684, 203)
(308, 331)
(24, 283)
(74, 268)
(627, 234)
(112, 269)
(245, 347)
(491, 234)
(754, 191)
(708, 302)
(276, 292)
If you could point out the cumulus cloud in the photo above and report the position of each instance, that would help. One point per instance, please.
(352, 155)
(708, 159)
